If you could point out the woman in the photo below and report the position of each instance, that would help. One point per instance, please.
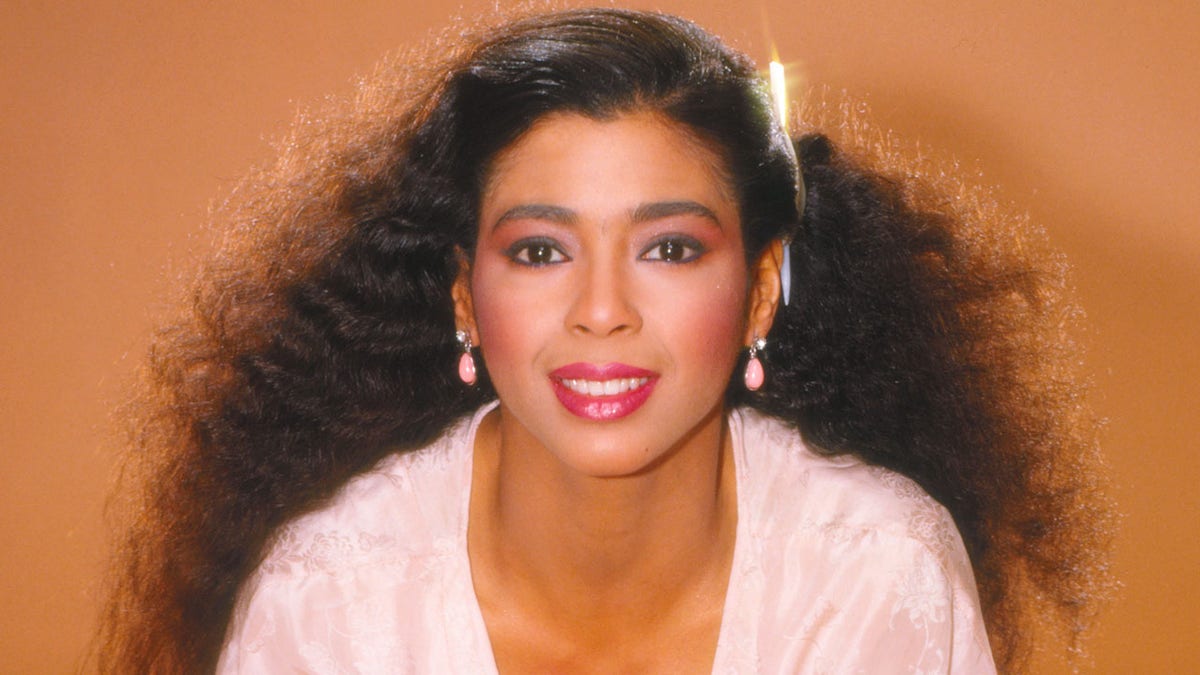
(568, 361)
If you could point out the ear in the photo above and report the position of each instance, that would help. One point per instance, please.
(460, 292)
(764, 291)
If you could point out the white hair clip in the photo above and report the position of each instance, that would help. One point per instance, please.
(780, 99)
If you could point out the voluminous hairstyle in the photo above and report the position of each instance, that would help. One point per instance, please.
(321, 338)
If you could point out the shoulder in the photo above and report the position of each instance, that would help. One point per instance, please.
(838, 498)
(848, 567)
(372, 576)
(408, 504)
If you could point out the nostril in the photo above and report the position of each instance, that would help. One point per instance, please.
(603, 307)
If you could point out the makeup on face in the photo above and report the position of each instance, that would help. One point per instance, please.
(609, 288)
(602, 392)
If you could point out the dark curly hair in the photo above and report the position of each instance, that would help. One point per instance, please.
(920, 338)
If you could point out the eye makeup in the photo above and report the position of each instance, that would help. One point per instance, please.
(673, 248)
(536, 252)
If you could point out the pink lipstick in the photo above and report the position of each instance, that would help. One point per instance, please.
(602, 393)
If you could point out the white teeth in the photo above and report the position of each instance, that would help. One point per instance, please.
(605, 387)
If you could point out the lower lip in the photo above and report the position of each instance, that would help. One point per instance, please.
(602, 408)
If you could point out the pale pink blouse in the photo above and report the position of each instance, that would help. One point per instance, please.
(838, 567)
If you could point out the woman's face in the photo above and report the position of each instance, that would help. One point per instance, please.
(609, 292)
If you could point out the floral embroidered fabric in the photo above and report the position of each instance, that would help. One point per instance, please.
(838, 567)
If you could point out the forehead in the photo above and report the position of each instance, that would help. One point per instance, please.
(636, 153)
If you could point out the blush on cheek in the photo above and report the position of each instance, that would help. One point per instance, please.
(494, 333)
(723, 336)
(506, 319)
(716, 326)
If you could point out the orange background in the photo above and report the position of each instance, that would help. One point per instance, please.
(118, 125)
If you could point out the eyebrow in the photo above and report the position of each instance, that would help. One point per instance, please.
(643, 213)
(656, 210)
(555, 214)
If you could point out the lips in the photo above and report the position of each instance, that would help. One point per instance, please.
(602, 392)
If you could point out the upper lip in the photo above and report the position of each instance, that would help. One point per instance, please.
(599, 372)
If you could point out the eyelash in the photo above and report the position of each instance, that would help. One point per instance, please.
(520, 252)
(691, 248)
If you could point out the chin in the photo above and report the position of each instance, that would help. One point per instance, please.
(604, 462)
(615, 450)
(632, 445)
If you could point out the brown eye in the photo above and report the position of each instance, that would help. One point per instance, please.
(674, 249)
(535, 253)
(539, 254)
(671, 251)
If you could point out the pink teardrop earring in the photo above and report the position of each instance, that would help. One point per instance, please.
(754, 368)
(466, 362)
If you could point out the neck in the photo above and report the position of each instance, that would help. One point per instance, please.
(587, 546)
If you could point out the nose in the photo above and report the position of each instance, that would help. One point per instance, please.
(603, 303)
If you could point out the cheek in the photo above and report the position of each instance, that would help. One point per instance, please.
(507, 316)
(708, 322)
(721, 331)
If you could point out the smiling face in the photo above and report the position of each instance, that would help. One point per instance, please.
(609, 292)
